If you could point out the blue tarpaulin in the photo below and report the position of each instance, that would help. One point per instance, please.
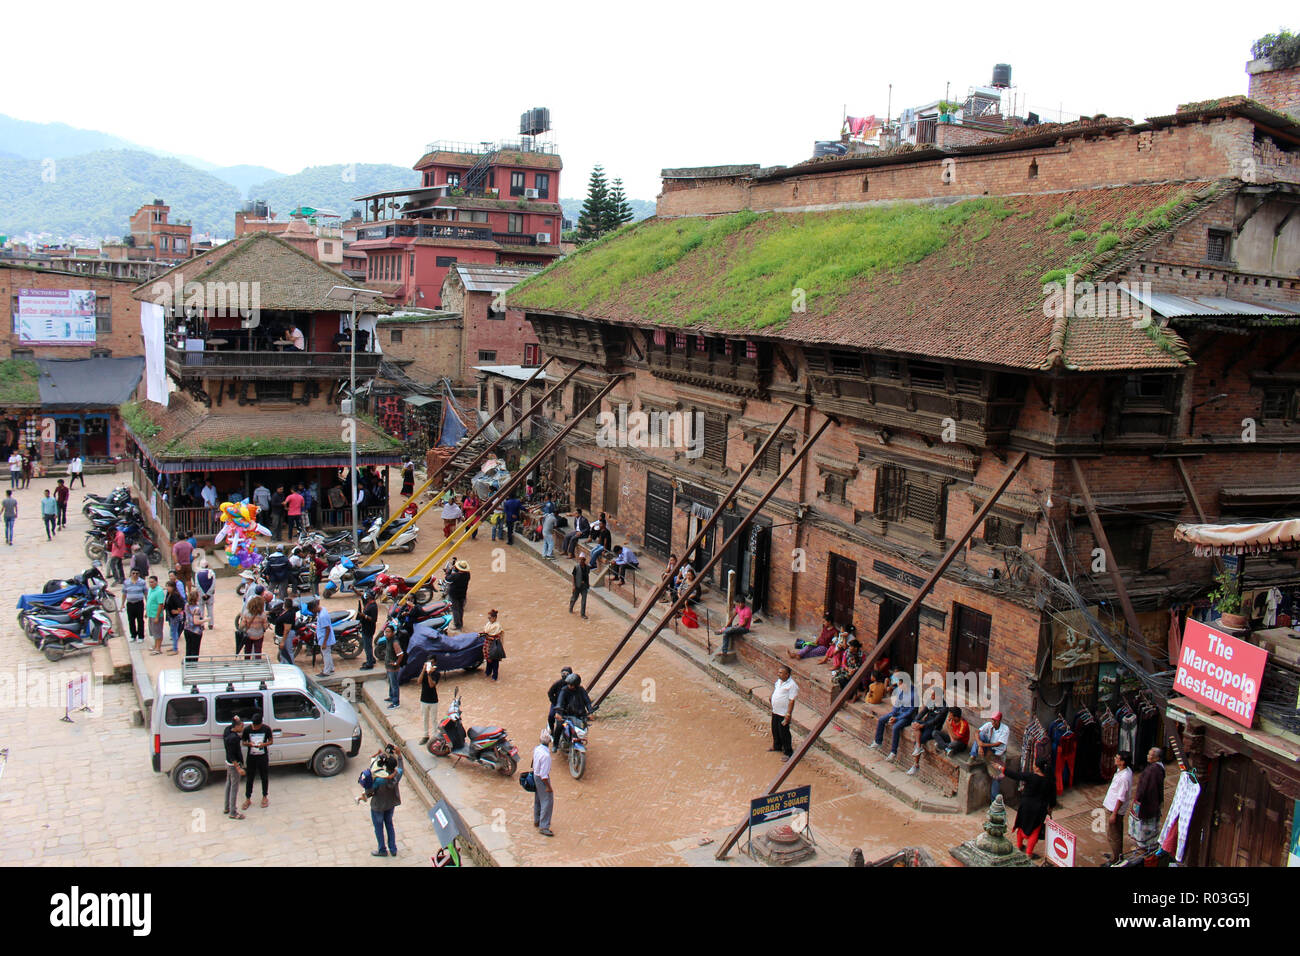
(450, 651)
(453, 423)
(52, 597)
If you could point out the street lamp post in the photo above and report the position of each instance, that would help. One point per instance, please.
(352, 294)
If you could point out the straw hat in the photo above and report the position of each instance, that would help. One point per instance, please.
(462, 565)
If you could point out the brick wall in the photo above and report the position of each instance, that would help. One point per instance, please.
(433, 347)
(123, 340)
(485, 330)
(1276, 89)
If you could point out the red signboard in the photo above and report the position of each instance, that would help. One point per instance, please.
(1220, 671)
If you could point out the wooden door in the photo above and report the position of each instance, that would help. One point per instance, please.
(1246, 823)
(902, 649)
(841, 589)
(658, 515)
(582, 488)
(611, 490)
(970, 641)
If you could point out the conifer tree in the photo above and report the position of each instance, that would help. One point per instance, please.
(620, 211)
(594, 219)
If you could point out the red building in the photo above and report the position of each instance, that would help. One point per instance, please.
(491, 204)
(156, 238)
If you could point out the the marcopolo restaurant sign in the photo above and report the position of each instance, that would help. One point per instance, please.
(1220, 671)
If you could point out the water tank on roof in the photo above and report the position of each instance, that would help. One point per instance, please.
(535, 121)
(1001, 76)
(829, 147)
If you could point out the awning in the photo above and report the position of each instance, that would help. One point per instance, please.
(89, 383)
(1219, 539)
(419, 401)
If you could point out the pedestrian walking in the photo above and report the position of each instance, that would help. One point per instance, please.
(451, 515)
(205, 582)
(385, 797)
(16, 469)
(1144, 819)
(134, 593)
(1115, 804)
(75, 469)
(50, 514)
(232, 738)
(10, 509)
(61, 498)
(494, 651)
(457, 591)
(470, 505)
(254, 623)
(394, 657)
(581, 584)
(193, 626)
(154, 603)
(174, 610)
(284, 615)
(324, 638)
(408, 478)
(116, 554)
(140, 561)
(429, 699)
(258, 737)
(27, 469)
(543, 796)
(548, 536)
(784, 693)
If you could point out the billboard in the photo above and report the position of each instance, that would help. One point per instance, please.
(1220, 671)
(55, 317)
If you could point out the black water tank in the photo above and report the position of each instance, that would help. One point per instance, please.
(1001, 76)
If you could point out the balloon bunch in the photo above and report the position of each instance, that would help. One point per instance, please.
(239, 530)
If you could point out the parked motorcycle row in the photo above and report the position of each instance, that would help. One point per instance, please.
(69, 616)
(113, 512)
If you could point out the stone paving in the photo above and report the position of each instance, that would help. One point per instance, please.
(85, 793)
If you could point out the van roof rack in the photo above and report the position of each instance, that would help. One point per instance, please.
(229, 670)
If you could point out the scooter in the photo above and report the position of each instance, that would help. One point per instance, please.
(299, 581)
(402, 534)
(573, 738)
(56, 640)
(347, 635)
(395, 586)
(344, 577)
(404, 619)
(488, 746)
(115, 500)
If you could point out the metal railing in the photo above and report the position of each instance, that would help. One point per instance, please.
(324, 363)
(515, 238)
(476, 149)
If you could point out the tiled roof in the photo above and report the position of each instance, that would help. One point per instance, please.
(287, 278)
(962, 282)
(188, 430)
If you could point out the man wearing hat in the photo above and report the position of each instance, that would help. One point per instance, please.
(457, 587)
(992, 739)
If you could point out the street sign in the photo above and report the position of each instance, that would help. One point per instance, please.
(1220, 671)
(447, 826)
(1060, 844)
(777, 805)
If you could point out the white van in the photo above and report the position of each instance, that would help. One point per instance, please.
(193, 706)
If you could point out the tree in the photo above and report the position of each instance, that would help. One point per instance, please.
(594, 220)
(620, 211)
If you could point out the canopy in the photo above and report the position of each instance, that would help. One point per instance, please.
(89, 383)
(1218, 539)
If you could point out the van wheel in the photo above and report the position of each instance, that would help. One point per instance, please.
(190, 774)
(327, 762)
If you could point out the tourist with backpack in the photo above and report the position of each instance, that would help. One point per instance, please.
(380, 785)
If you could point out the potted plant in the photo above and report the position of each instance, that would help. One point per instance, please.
(1226, 598)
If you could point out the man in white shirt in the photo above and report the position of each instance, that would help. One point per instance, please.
(1117, 798)
(296, 337)
(992, 738)
(75, 468)
(544, 797)
(784, 693)
(16, 469)
(209, 494)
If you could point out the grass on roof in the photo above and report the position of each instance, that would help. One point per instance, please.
(752, 284)
(246, 446)
(19, 382)
(138, 421)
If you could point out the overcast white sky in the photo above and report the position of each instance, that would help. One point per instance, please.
(636, 88)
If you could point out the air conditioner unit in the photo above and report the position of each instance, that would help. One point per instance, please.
(543, 238)
(530, 194)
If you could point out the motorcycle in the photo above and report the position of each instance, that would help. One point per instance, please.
(573, 738)
(299, 580)
(395, 586)
(438, 615)
(57, 639)
(347, 635)
(488, 746)
(133, 527)
(115, 500)
(402, 534)
(346, 576)
(87, 587)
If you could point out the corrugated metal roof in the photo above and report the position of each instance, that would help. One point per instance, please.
(88, 383)
(520, 373)
(1181, 306)
(482, 278)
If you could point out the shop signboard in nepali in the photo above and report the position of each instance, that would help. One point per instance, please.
(1220, 671)
(1061, 844)
(55, 317)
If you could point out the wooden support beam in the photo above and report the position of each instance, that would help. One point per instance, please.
(1186, 479)
(913, 607)
(1112, 568)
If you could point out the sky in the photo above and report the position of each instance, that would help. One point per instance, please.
(635, 88)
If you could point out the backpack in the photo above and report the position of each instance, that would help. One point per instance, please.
(367, 780)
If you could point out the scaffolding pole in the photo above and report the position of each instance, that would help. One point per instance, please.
(442, 467)
(467, 527)
(479, 458)
(908, 613)
(717, 554)
(695, 543)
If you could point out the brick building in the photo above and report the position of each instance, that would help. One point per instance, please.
(909, 297)
(153, 237)
(492, 333)
(489, 204)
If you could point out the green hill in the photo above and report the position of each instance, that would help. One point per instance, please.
(332, 187)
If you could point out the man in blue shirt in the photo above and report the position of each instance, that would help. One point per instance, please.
(904, 713)
(324, 637)
(512, 507)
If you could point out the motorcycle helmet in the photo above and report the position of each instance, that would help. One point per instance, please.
(573, 680)
(391, 591)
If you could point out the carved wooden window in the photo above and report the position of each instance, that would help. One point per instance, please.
(1002, 532)
(770, 460)
(582, 396)
(715, 439)
(913, 499)
(836, 488)
(1130, 544)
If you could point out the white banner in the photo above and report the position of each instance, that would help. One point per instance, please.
(155, 361)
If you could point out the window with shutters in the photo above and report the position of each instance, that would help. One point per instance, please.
(1281, 404)
(770, 460)
(912, 499)
(103, 313)
(1146, 406)
(714, 452)
(836, 488)
(1130, 544)
(1002, 532)
(582, 396)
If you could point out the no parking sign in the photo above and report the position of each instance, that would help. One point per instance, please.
(1060, 844)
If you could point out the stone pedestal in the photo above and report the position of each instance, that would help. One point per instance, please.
(782, 847)
(991, 848)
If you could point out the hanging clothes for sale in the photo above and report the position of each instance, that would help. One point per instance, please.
(1180, 814)
(1148, 728)
(1271, 604)
(1088, 751)
(1064, 750)
(1109, 744)
(1128, 728)
(1034, 746)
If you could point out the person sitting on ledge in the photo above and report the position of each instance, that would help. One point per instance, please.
(819, 647)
